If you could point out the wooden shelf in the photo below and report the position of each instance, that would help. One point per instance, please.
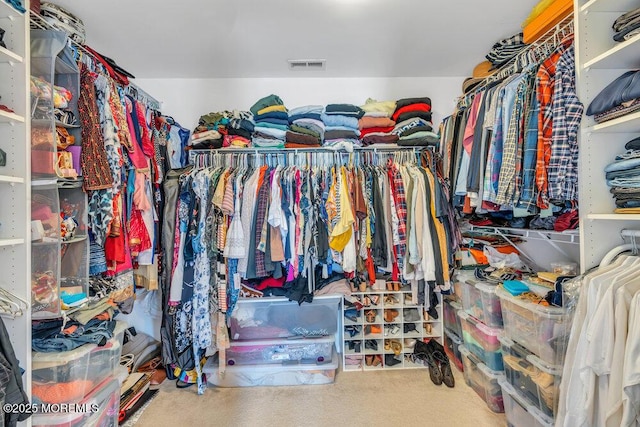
(614, 217)
(621, 6)
(625, 124)
(11, 242)
(6, 117)
(7, 56)
(11, 179)
(624, 55)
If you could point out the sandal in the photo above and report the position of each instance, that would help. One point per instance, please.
(370, 316)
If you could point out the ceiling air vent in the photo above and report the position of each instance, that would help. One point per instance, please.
(307, 64)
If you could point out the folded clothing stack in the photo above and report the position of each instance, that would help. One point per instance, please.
(306, 128)
(623, 176)
(413, 122)
(341, 124)
(619, 98)
(504, 50)
(376, 125)
(223, 129)
(627, 26)
(271, 122)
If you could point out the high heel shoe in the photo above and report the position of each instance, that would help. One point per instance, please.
(370, 316)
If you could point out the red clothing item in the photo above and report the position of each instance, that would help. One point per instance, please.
(270, 282)
(421, 107)
(379, 129)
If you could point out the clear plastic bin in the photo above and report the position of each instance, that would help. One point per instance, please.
(534, 380)
(482, 341)
(451, 344)
(100, 408)
(271, 375)
(543, 330)
(519, 412)
(62, 377)
(483, 380)
(105, 359)
(310, 350)
(479, 299)
(450, 315)
(269, 318)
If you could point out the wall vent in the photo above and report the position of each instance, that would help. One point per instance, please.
(307, 64)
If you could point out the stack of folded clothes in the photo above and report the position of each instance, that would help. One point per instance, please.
(376, 126)
(341, 124)
(623, 176)
(413, 122)
(271, 122)
(223, 129)
(206, 134)
(619, 98)
(306, 128)
(504, 50)
(627, 25)
(239, 129)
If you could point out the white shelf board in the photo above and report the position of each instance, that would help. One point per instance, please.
(8, 56)
(615, 217)
(11, 242)
(621, 6)
(11, 179)
(6, 10)
(6, 117)
(624, 55)
(625, 124)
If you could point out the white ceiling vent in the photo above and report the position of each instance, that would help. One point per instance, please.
(307, 64)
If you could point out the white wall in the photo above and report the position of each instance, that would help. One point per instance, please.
(187, 99)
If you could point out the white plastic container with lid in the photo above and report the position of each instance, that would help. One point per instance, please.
(450, 317)
(542, 329)
(482, 340)
(104, 360)
(271, 374)
(451, 346)
(309, 350)
(482, 380)
(519, 412)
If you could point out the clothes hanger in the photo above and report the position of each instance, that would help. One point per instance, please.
(632, 246)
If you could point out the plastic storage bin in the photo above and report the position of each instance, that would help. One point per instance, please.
(271, 374)
(519, 412)
(310, 350)
(269, 318)
(62, 377)
(104, 360)
(480, 301)
(543, 330)
(451, 344)
(482, 341)
(100, 408)
(450, 315)
(534, 380)
(483, 380)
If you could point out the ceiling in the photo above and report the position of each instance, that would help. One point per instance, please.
(256, 38)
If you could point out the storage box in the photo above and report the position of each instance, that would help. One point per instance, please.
(543, 330)
(269, 318)
(310, 350)
(551, 16)
(104, 360)
(534, 381)
(62, 377)
(482, 341)
(100, 408)
(451, 344)
(479, 299)
(271, 374)
(450, 315)
(519, 412)
(483, 380)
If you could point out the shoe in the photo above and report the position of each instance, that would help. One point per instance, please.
(394, 329)
(351, 314)
(390, 315)
(387, 345)
(368, 359)
(423, 353)
(386, 330)
(409, 327)
(374, 299)
(409, 343)
(428, 329)
(411, 314)
(391, 300)
(390, 360)
(371, 345)
(389, 286)
(377, 360)
(357, 347)
(396, 347)
(370, 316)
(442, 360)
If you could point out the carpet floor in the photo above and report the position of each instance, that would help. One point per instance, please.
(384, 398)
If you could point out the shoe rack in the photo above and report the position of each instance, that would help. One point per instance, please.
(380, 328)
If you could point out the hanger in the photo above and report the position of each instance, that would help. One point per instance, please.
(12, 305)
(626, 247)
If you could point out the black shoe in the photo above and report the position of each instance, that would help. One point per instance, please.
(447, 375)
(371, 344)
(423, 353)
(409, 327)
(442, 360)
(389, 360)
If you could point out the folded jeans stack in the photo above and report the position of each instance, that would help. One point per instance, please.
(623, 176)
(627, 25)
(306, 128)
(413, 122)
(272, 122)
(376, 125)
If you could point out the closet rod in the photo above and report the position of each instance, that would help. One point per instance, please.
(308, 150)
(534, 52)
(37, 21)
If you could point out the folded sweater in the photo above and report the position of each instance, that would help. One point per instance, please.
(372, 122)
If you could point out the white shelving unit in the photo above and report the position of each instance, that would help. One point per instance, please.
(599, 61)
(15, 193)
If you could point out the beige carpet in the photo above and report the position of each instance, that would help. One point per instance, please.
(385, 398)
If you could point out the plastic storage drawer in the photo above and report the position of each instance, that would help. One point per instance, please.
(543, 330)
(62, 377)
(483, 380)
(482, 341)
(451, 344)
(310, 350)
(479, 299)
(534, 380)
(104, 360)
(450, 315)
(269, 318)
(100, 408)
(271, 374)
(519, 412)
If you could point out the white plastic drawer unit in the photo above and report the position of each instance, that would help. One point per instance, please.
(271, 318)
